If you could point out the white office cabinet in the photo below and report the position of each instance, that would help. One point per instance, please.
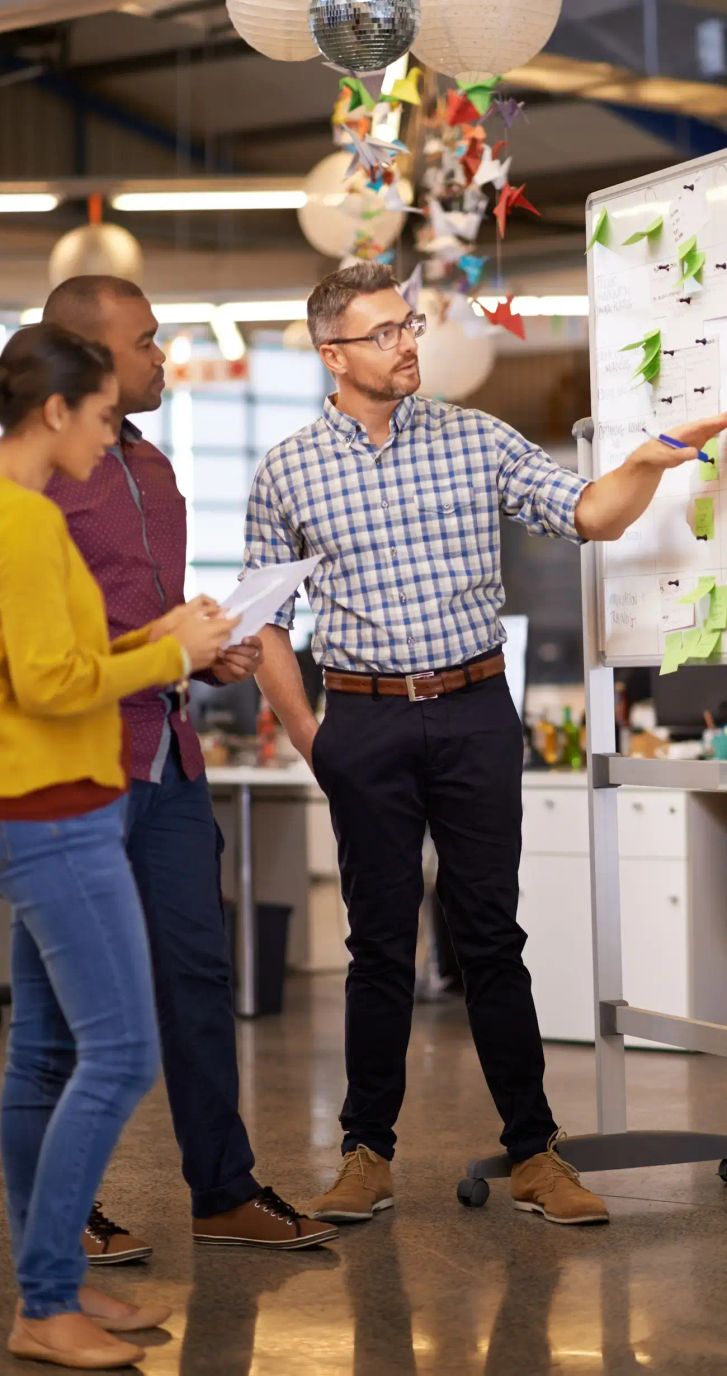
(673, 866)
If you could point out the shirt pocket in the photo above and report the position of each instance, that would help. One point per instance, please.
(450, 503)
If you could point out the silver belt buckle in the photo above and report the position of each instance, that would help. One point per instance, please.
(411, 686)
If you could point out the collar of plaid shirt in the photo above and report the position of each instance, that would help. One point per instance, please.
(409, 535)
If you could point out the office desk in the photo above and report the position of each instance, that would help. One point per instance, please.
(239, 781)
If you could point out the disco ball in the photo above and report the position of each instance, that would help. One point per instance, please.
(364, 35)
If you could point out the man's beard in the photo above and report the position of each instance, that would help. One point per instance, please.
(390, 391)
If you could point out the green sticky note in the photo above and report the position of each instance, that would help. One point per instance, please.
(704, 518)
(705, 585)
(673, 653)
(717, 618)
(651, 232)
(691, 641)
(709, 472)
(705, 646)
(601, 230)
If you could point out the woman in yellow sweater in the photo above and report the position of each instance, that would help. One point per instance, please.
(83, 1044)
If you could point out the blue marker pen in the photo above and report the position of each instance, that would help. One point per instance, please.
(675, 444)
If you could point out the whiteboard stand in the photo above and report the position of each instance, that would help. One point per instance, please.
(613, 1147)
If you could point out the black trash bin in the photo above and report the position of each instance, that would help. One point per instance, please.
(272, 921)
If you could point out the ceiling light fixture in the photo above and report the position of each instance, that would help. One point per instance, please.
(283, 199)
(230, 341)
(26, 202)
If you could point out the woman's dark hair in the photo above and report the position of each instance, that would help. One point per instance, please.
(42, 361)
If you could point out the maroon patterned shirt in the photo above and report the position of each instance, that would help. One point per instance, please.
(130, 523)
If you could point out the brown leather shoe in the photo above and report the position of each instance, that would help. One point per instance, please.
(548, 1185)
(106, 1244)
(361, 1189)
(265, 1221)
(71, 1340)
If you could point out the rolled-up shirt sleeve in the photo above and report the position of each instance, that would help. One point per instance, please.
(533, 490)
(269, 539)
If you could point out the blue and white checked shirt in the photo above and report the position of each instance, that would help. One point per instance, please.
(409, 534)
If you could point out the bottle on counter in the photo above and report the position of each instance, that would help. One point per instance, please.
(545, 740)
(570, 749)
(266, 731)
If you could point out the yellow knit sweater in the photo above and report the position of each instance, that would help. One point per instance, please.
(60, 678)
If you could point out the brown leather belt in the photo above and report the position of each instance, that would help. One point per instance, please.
(417, 687)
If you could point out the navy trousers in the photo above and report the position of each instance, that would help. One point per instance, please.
(390, 766)
(174, 847)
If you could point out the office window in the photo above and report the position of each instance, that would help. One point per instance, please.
(215, 437)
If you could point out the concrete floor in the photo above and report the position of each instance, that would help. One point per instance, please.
(429, 1287)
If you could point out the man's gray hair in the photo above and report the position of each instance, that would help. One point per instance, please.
(332, 297)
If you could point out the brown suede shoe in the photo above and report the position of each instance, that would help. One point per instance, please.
(265, 1221)
(71, 1340)
(546, 1184)
(106, 1244)
(361, 1189)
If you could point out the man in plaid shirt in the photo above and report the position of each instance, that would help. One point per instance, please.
(401, 497)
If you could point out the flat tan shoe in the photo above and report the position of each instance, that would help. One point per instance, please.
(142, 1316)
(70, 1340)
(546, 1184)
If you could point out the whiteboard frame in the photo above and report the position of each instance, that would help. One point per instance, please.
(596, 201)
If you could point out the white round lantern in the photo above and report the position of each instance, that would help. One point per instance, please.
(456, 355)
(333, 215)
(279, 29)
(296, 336)
(91, 249)
(468, 37)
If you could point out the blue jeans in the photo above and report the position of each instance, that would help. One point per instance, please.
(174, 848)
(83, 1044)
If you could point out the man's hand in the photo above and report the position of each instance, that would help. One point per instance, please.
(239, 662)
(610, 505)
(695, 434)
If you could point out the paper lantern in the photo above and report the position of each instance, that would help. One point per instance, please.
(364, 35)
(94, 249)
(466, 37)
(456, 355)
(333, 217)
(280, 30)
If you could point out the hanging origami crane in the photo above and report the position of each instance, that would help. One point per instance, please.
(406, 89)
(503, 315)
(510, 197)
(508, 109)
(373, 156)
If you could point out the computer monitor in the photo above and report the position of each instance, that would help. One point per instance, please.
(681, 699)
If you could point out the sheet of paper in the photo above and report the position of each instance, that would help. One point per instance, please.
(674, 615)
(689, 212)
(704, 518)
(262, 592)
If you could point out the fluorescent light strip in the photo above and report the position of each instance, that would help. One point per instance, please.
(539, 305)
(273, 312)
(266, 311)
(230, 342)
(209, 200)
(21, 203)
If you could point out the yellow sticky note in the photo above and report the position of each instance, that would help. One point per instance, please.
(704, 518)
(690, 642)
(673, 653)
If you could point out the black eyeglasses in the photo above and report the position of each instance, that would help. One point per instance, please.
(389, 336)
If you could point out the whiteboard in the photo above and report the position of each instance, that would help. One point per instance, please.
(632, 290)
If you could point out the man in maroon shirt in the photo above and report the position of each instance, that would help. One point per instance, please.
(129, 522)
